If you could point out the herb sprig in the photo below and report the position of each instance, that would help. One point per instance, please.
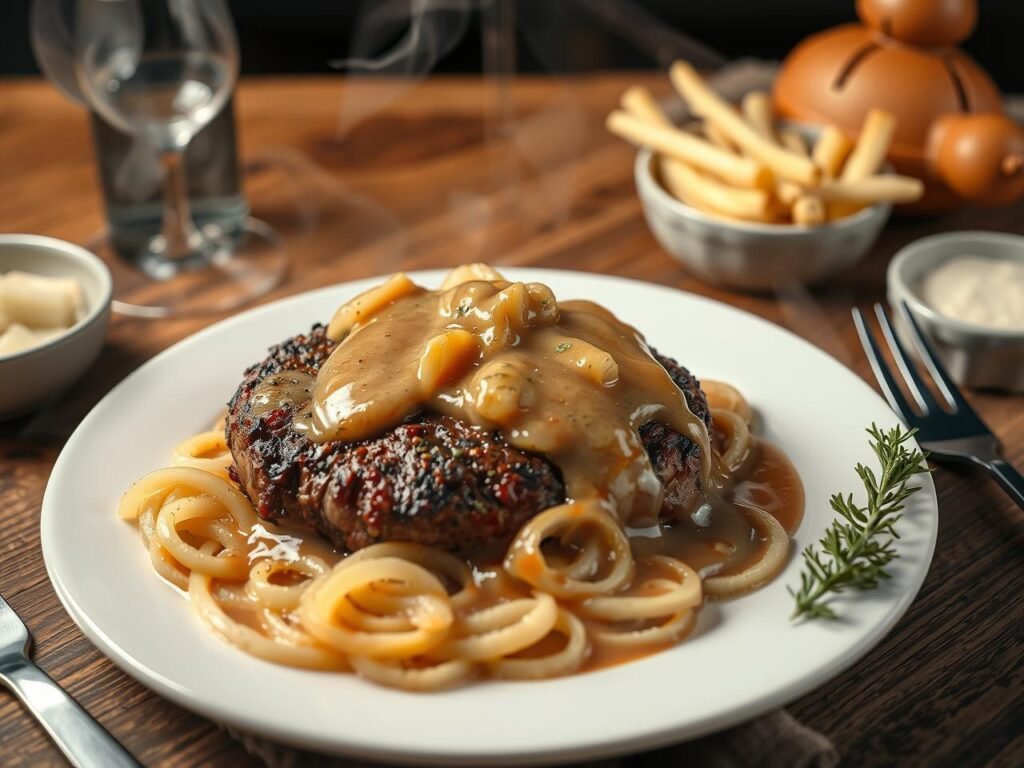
(861, 542)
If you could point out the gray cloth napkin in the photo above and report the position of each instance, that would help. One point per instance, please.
(775, 740)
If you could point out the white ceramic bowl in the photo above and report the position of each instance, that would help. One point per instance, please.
(753, 256)
(30, 378)
(974, 355)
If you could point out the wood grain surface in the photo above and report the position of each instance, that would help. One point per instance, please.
(364, 178)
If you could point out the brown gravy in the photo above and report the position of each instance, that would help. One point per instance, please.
(563, 379)
(727, 542)
(718, 538)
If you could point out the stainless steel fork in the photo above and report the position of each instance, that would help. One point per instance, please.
(83, 741)
(954, 433)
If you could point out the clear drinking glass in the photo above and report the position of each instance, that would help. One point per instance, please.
(161, 70)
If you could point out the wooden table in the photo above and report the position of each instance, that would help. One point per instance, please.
(365, 178)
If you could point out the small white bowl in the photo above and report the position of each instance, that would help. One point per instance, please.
(753, 256)
(974, 355)
(32, 377)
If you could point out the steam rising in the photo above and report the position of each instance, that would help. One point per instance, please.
(540, 149)
(432, 29)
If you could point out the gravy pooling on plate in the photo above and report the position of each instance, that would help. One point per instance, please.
(722, 543)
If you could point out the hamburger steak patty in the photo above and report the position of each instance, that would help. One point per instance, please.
(432, 479)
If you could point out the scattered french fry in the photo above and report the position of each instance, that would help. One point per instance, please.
(739, 165)
(831, 151)
(739, 171)
(707, 104)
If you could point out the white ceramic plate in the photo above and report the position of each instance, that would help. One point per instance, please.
(745, 658)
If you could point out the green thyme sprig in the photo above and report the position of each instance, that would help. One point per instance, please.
(861, 542)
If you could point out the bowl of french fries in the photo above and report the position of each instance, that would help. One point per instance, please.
(55, 300)
(748, 202)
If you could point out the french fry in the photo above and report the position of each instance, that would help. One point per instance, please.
(868, 154)
(872, 146)
(805, 209)
(716, 137)
(739, 165)
(707, 210)
(809, 210)
(639, 102)
(690, 186)
(706, 103)
(677, 190)
(740, 171)
(686, 183)
(757, 108)
(831, 151)
(794, 142)
(882, 188)
(788, 192)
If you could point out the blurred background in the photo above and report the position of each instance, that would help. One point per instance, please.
(288, 36)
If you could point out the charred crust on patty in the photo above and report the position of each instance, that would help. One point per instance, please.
(433, 479)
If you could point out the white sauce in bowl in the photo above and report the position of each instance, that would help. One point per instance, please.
(979, 290)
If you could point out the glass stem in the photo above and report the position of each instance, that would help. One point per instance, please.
(180, 235)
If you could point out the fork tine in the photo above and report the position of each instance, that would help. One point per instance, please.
(915, 383)
(931, 361)
(882, 373)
